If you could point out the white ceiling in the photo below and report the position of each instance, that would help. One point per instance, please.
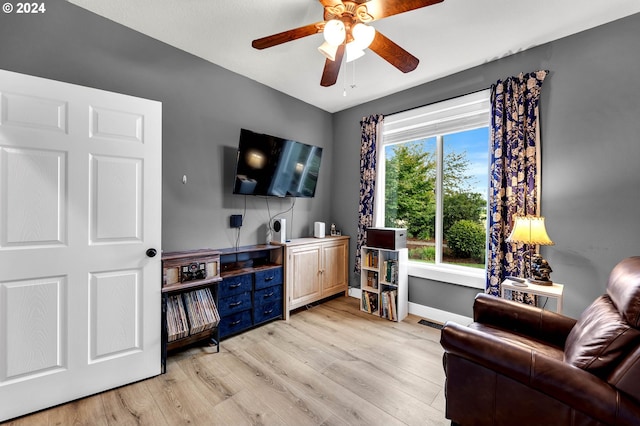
(447, 37)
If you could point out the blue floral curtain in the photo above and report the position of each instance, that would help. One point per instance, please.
(370, 129)
(514, 173)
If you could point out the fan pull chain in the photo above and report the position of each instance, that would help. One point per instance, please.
(344, 76)
(353, 75)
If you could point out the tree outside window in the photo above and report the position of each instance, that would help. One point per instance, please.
(436, 188)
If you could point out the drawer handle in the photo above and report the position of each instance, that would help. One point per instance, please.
(233, 305)
(268, 295)
(236, 323)
(268, 312)
(269, 278)
(235, 285)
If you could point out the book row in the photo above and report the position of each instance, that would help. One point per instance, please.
(389, 309)
(390, 270)
(388, 298)
(369, 302)
(371, 259)
(372, 279)
(191, 313)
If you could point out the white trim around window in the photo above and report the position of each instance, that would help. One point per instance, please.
(450, 116)
(451, 274)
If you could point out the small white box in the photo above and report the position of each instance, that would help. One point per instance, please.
(318, 229)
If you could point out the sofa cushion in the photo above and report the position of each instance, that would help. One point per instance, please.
(624, 289)
(600, 338)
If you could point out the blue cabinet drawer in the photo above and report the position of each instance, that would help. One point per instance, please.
(235, 285)
(267, 311)
(235, 303)
(235, 323)
(266, 295)
(268, 277)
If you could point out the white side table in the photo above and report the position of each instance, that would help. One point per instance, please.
(556, 290)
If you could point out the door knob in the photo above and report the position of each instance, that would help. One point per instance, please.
(152, 252)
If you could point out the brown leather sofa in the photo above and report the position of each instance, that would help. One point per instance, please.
(519, 365)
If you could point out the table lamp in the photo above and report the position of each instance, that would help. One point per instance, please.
(530, 230)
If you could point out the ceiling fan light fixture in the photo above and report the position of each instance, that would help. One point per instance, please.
(353, 51)
(346, 22)
(363, 35)
(334, 32)
(328, 50)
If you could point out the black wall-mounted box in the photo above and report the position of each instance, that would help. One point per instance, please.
(235, 221)
(387, 238)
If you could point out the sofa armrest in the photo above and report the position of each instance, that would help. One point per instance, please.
(566, 383)
(529, 320)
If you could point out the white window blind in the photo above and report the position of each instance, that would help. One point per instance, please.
(450, 116)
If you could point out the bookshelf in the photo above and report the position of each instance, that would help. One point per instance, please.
(189, 299)
(384, 283)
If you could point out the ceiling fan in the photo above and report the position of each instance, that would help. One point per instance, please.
(345, 30)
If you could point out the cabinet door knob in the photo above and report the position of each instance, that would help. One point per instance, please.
(152, 252)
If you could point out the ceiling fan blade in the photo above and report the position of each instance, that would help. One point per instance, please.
(382, 8)
(394, 54)
(330, 3)
(285, 36)
(332, 68)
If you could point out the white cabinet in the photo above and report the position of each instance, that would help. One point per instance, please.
(315, 268)
(384, 283)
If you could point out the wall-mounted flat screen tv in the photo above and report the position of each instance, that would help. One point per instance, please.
(273, 166)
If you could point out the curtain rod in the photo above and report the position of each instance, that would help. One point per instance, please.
(434, 102)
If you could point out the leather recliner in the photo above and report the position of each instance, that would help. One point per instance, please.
(521, 365)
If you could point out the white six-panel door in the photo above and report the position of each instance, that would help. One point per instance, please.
(80, 203)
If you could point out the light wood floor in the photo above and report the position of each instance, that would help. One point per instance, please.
(329, 365)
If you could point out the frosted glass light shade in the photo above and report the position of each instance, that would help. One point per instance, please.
(363, 35)
(529, 230)
(334, 32)
(353, 52)
(328, 50)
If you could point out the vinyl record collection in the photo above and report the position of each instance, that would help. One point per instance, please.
(191, 313)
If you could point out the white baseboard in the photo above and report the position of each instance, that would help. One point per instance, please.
(437, 315)
(423, 311)
(355, 292)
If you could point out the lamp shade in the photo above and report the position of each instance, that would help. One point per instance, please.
(328, 50)
(334, 32)
(363, 35)
(353, 52)
(529, 230)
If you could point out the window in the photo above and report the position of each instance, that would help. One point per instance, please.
(433, 180)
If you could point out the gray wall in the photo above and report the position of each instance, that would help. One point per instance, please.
(204, 107)
(590, 155)
(590, 122)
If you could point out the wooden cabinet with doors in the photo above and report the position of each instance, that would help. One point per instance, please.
(315, 268)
